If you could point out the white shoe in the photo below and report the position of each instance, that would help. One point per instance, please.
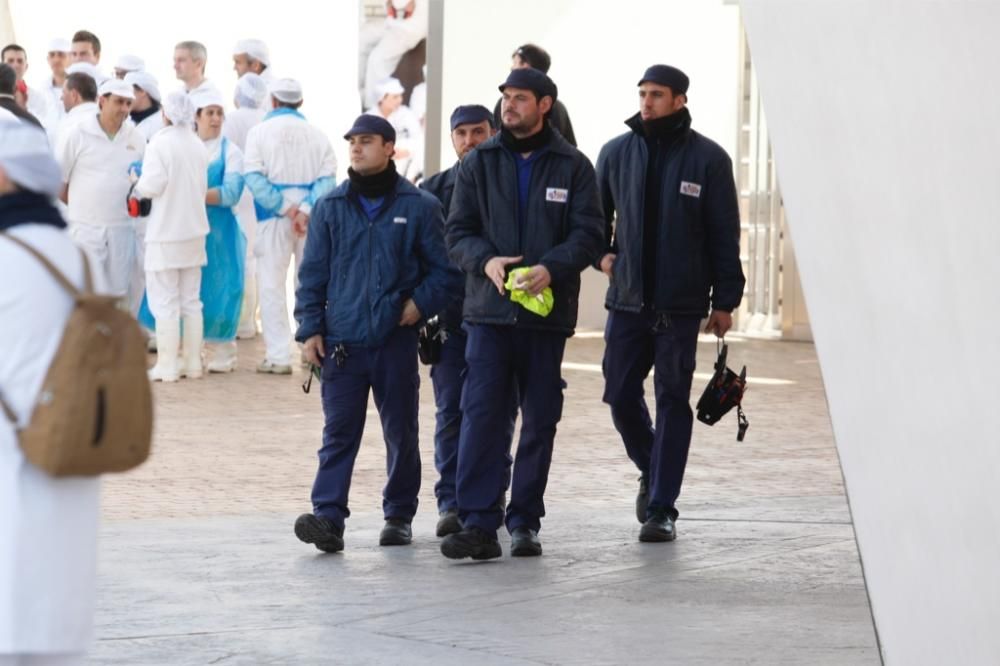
(167, 339)
(223, 357)
(157, 374)
(193, 333)
(267, 368)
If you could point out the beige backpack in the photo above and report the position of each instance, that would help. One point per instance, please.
(94, 412)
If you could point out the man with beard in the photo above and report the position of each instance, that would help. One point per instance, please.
(523, 198)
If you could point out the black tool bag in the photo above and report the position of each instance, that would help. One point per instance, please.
(430, 341)
(724, 391)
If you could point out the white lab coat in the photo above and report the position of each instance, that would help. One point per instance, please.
(286, 150)
(71, 119)
(38, 105)
(48, 526)
(409, 136)
(175, 177)
(151, 125)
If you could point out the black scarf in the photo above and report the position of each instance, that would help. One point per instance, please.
(375, 185)
(669, 127)
(24, 207)
(139, 116)
(528, 144)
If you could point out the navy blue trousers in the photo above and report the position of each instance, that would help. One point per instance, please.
(506, 363)
(390, 373)
(635, 344)
(448, 377)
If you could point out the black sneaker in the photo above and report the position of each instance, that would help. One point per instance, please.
(660, 526)
(524, 543)
(319, 531)
(396, 532)
(642, 500)
(471, 542)
(448, 523)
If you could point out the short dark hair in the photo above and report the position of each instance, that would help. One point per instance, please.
(12, 47)
(534, 55)
(8, 80)
(87, 36)
(278, 104)
(83, 84)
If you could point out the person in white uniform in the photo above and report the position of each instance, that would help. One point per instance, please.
(175, 179)
(288, 165)
(145, 111)
(79, 100)
(250, 98)
(409, 155)
(95, 157)
(38, 101)
(382, 46)
(189, 64)
(251, 56)
(48, 526)
(58, 59)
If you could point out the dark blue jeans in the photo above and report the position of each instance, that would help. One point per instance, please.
(390, 373)
(635, 344)
(506, 363)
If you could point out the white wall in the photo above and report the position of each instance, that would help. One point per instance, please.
(316, 43)
(883, 118)
(599, 51)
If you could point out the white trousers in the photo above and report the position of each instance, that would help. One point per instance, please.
(274, 246)
(174, 293)
(113, 248)
(247, 218)
(41, 659)
(137, 278)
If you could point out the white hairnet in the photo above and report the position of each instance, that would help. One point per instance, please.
(251, 91)
(389, 86)
(130, 63)
(145, 81)
(178, 109)
(254, 49)
(116, 87)
(26, 158)
(286, 90)
(60, 45)
(206, 97)
(89, 70)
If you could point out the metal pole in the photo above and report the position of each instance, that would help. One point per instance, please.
(435, 79)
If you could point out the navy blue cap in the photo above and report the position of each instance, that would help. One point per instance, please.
(472, 114)
(368, 123)
(531, 79)
(668, 76)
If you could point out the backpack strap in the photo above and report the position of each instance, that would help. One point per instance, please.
(55, 272)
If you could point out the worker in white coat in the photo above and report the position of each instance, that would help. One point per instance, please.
(175, 180)
(79, 100)
(288, 165)
(251, 56)
(95, 157)
(409, 155)
(382, 46)
(48, 526)
(145, 113)
(250, 99)
(57, 57)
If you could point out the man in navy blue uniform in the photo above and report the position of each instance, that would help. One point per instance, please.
(374, 267)
(470, 126)
(673, 254)
(523, 198)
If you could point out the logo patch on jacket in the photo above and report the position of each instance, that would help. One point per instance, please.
(556, 194)
(691, 189)
(399, 220)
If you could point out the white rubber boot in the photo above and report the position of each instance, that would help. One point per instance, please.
(194, 330)
(222, 357)
(168, 338)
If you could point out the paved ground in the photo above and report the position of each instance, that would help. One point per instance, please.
(199, 564)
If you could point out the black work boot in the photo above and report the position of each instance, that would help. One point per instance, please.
(448, 523)
(660, 526)
(397, 532)
(524, 543)
(471, 542)
(642, 499)
(319, 531)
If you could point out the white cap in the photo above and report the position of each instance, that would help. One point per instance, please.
(130, 63)
(146, 81)
(255, 49)
(209, 96)
(116, 87)
(59, 45)
(400, 5)
(251, 91)
(388, 86)
(89, 70)
(27, 159)
(286, 90)
(178, 109)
